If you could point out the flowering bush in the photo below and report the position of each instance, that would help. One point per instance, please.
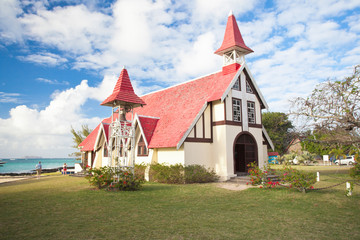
(113, 179)
(299, 179)
(261, 177)
(296, 179)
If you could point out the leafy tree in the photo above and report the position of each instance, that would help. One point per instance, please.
(333, 109)
(338, 152)
(279, 128)
(78, 137)
(306, 158)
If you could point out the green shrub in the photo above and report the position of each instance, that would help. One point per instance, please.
(178, 174)
(199, 174)
(355, 171)
(163, 173)
(114, 179)
(139, 171)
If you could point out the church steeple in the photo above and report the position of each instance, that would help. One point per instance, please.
(123, 93)
(233, 48)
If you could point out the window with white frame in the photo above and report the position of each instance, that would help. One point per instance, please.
(236, 110)
(251, 112)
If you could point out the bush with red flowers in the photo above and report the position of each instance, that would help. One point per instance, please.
(114, 179)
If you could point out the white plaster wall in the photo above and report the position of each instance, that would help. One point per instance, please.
(220, 152)
(199, 128)
(218, 111)
(144, 159)
(257, 133)
(207, 116)
(171, 155)
(229, 107)
(265, 155)
(89, 159)
(199, 153)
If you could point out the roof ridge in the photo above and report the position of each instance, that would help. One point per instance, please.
(179, 84)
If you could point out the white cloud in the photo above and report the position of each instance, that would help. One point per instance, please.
(53, 82)
(47, 59)
(200, 59)
(30, 130)
(9, 97)
(74, 29)
(10, 27)
(297, 44)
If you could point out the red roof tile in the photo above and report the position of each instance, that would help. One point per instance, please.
(148, 125)
(89, 141)
(232, 38)
(123, 92)
(177, 107)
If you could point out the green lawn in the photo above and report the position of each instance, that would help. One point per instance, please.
(63, 207)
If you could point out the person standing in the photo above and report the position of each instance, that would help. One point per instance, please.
(38, 168)
(64, 169)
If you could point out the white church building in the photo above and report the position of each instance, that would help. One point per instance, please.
(214, 120)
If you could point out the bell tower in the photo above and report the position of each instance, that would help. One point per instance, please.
(233, 48)
(122, 130)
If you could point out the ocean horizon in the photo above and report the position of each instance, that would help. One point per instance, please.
(26, 165)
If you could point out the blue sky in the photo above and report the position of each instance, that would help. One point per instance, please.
(60, 59)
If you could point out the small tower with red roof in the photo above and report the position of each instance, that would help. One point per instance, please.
(122, 130)
(233, 48)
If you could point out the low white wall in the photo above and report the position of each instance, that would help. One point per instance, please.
(170, 156)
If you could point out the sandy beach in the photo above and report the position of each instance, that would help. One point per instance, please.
(5, 179)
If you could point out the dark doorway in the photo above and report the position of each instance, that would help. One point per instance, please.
(245, 152)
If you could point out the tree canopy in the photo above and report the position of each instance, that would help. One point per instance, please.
(333, 110)
(279, 128)
(78, 137)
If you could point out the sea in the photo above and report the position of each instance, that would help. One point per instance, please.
(23, 165)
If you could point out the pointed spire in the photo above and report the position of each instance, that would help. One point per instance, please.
(123, 93)
(232, 38)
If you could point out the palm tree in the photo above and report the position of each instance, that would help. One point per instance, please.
(78, 137)
(338, 152)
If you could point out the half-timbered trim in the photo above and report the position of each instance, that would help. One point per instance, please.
(227, 122)
(206, 122)
(255, 125)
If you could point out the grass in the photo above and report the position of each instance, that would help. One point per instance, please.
(63, 207)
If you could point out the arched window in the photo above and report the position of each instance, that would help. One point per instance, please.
(142, 150)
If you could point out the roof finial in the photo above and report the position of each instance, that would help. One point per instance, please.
(124, 67)
(231, 13)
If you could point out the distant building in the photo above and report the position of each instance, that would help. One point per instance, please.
(295, 146)
(272, 159)
(213, 120)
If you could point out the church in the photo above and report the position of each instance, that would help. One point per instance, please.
(214, 120)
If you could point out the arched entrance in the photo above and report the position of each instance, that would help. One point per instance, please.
(245, 152)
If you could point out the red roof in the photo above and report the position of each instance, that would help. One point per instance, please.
(148, 125)
(89, 141)
(273, 154)
(177, 107)
(232, 38)
(123, 92)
